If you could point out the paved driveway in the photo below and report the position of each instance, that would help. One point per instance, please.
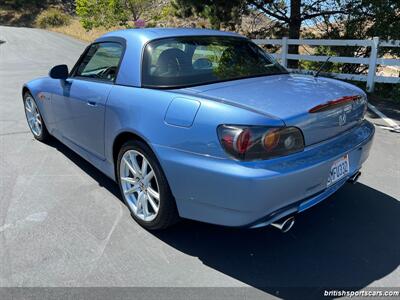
(62, 222)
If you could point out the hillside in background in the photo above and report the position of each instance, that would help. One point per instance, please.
(61, 16)
(25, 13)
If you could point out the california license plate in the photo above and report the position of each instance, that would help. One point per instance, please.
(339, 170)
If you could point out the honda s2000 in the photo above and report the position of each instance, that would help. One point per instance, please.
(203, 125)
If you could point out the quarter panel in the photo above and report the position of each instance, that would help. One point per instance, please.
(142, 111)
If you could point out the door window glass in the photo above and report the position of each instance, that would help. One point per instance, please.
(101, 62)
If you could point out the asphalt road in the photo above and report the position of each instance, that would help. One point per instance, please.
(62, 222)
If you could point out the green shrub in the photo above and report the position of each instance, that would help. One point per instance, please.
(151, 24)
(388, 91)
(52, 17)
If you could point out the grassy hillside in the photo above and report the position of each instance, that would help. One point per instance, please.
(75, 29)
(52, 15)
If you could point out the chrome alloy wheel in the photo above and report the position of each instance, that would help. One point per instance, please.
(139, 185)
(33, 116)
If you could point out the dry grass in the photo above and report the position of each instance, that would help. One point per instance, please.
(75, 29)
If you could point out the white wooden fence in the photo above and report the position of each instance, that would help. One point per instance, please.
(372, 61)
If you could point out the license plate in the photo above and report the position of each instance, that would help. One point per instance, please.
(339, 170)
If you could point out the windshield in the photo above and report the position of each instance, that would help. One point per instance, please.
(188, 61)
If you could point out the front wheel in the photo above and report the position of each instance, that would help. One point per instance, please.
(34, 119)
(144, 187)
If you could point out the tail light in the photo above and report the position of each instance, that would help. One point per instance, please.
(259, 142)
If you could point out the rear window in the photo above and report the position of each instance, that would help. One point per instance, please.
(188, 61)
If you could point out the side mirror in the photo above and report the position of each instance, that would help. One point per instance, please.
(59, 72)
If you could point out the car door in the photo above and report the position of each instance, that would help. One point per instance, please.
(80, 107)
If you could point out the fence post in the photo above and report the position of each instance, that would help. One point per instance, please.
(372, 65)
(284, 51)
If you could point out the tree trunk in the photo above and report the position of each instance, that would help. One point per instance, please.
(294, 30)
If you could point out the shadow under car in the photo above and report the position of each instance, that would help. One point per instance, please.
(347, 241)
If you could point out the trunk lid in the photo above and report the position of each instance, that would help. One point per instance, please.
(291, 97)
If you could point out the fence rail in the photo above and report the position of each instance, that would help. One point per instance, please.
(372, 61)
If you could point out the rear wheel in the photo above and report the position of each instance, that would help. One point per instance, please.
(144, 187)
(34, 118)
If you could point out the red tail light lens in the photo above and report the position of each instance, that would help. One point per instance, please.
(243, 141)
(236, 140)
(259, 142)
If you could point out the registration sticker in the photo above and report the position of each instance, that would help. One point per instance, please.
(339, 170)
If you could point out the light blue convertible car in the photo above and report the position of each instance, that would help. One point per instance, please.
(203, 125)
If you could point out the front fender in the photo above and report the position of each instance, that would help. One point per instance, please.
(41, 90)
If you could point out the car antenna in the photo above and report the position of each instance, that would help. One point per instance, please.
(322, 66)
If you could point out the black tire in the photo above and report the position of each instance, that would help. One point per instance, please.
(167, 214)
(44, 134)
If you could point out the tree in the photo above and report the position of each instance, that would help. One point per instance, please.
(136, 8)
(109, 13)
(95, 13)
(369, 18)
(218, 12)
(290, 14)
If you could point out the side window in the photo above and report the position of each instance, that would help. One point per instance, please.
(101, 62)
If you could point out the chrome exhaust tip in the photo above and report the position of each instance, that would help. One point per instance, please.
(353, 179)
(284, 225)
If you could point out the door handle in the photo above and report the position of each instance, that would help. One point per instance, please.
(91, 103)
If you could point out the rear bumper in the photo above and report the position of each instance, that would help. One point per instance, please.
(301, 205)
(231, 193)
